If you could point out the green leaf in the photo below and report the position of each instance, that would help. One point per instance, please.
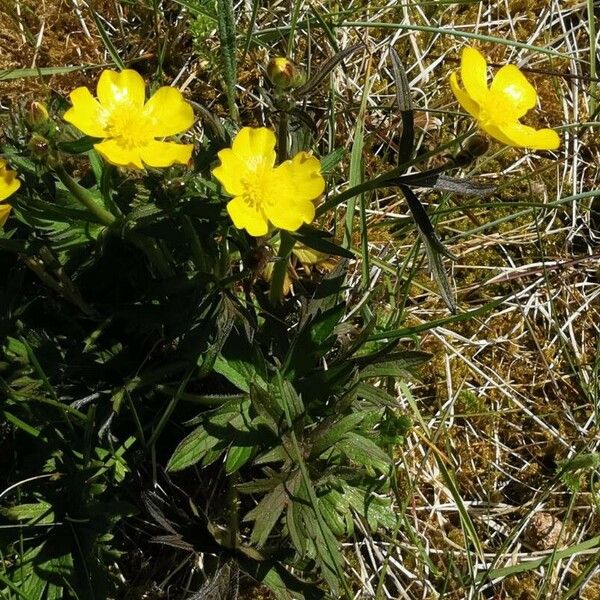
(266, 514)
(433, 246)
(331, 160)
(376, 509)
(362, 451)
(38, 512)
(191, 449)
(226, 22)
(404, 101)
(283, 584)
(327, 437)
(238, 372)
(377, 396)
(265, 404)
(400, 366)
(199, 442)
(237, 457)
(79, 146)
(331, 507)
(288, 398)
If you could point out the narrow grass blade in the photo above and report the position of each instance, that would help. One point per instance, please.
(404, 102)
(226, 22)
(325, 69)
(110, 47)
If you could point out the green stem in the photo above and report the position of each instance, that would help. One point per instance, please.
(233, 516)
(280, 267)
(282, 137)
(147, 245)
(85, 197)
(195, 245)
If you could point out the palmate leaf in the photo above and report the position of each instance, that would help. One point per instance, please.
(266, 514)
(197, 444)
(336, 512)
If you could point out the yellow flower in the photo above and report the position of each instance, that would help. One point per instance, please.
(129, 124)
(263, 193)
(499, 107)
(9, 184)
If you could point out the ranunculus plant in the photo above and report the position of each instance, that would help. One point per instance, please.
(171, 393)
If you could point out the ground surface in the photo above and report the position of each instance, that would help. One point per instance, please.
(508, 396)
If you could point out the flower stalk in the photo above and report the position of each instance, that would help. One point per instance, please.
(280, 267)
(85, 197)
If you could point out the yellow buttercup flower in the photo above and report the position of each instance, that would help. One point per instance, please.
(129, 124)
(9, 184)
(499, 107)
(282, 196)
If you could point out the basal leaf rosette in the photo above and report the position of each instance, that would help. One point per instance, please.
(499, 107)
(132, 129)
(263, 194)
(9, 184)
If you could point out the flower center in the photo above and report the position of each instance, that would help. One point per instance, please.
(253, 195)
(128, 126)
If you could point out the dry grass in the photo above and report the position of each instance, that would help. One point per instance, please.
(509, 395)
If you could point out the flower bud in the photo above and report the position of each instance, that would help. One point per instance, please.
(37, 114)
(38, 146)
(284, 74)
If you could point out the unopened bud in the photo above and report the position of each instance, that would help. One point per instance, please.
(284, 74)
(38, 146)
(37, 114)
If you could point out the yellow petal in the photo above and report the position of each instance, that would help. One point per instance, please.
(126, 87)
(4, 212)
(255, 147)
(511, 89)
(528, 137)
(291, 217)
(463, 98)
(495, 132)
(245, 216)
(120, 155)
(473, 73)
(231, 172)
(290, 189)
(165, 154)
(168, 113)
(9, 183)
(86, 114)
(295, 180)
